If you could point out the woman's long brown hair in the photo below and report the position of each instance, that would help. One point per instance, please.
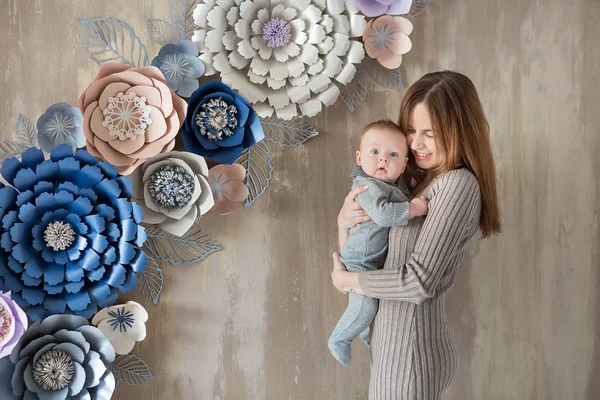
(461, 132)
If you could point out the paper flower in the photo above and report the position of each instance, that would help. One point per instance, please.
(180, 65)
(281, 55)
(61, 357)
(69, 236)
(60, 124)
(374, 8)
(229, 190)
(220, 124)
(123, 325)
(13, 323)
(130, 115)
(173, 190)
(386, 39)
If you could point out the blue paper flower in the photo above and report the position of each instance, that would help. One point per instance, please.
(60, 124)
(69, 236)
(181, 66)
(61, 357)
(220, 123)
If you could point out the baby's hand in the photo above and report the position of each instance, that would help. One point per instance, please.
(417, 207)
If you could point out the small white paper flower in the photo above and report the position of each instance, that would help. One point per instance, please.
(285, 56)
(123, 325)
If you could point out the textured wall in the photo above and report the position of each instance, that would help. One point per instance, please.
(251, 322)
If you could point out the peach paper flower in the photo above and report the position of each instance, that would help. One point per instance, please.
(229, 190)
(386, 39)
(130, 115)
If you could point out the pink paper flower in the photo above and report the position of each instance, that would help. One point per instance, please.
(130, 115)
(13, 323)
(386, 39)
(228, 188)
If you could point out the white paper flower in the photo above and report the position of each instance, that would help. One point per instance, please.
(123, 325)
(281, 55)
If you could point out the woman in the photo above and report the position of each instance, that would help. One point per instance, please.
(451, 163)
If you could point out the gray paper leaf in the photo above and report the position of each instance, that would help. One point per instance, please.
(11, 149)
(182, 18)
(257, 161)
(418, 7)
(190, 248)
(107, 39)
(355, 92)
(131, 370)
(160, 31)
(150, 281)
(25, 131)
(388, 78)
(288, 133)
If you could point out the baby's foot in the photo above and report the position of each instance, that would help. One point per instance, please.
(341, 351)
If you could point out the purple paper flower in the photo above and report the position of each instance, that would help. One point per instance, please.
(375, 8)
(13, 323)
(220, 123)
(61, 357)
(69, 235)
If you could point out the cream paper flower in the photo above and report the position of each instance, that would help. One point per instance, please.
(281, 55)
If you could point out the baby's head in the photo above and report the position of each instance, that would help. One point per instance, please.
(383, 151)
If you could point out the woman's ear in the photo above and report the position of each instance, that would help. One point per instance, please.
(357, 157)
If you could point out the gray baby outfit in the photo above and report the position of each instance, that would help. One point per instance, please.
(365, 250)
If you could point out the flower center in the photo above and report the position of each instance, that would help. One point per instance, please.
(121, 319)
(126, 116)
(53, 370)
(5, 322)
(175, 68)
(277, 32)
(171, 186)
(59, 235)
(217, 119)
(60, 125)
(383, 37)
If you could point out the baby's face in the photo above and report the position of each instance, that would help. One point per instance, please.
(383, 154)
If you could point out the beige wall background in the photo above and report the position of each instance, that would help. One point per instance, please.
(252, 321)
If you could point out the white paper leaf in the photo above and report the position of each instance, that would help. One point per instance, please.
(190, 248)
(182, 18)
(288, 133)
(257, 161)
(355, 92)
(131, 370)
(418, 7)
(25, 131)
(160, 31)
(150, 281)
(107, 39)
(388, 78)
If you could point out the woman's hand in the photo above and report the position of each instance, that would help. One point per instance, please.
(343, 280)
(351, 213)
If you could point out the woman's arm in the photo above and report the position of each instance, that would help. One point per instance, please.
(452, 221)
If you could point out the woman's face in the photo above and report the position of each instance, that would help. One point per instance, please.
(421, 139)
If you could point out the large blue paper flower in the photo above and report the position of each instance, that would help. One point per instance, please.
(69, 236)
(61, 357)
(220, 123)
(181, 66)
(60, 124)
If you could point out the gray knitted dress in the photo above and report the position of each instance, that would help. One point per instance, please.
(412, 355)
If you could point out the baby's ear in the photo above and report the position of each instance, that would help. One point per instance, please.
(357, 157)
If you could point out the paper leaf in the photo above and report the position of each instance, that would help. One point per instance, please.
(160, 31)
(257, 161)
(25, 131)
(150, 281)
(131, 370)
(388, 78)
(182, 18)
(354, 93)
(288, 133)
(11, 149)
(190, 248)
(107, 39)
(418, 7)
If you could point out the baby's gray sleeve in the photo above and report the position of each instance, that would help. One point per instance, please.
(375, 202)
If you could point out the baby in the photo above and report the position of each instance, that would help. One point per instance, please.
(381, 158)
